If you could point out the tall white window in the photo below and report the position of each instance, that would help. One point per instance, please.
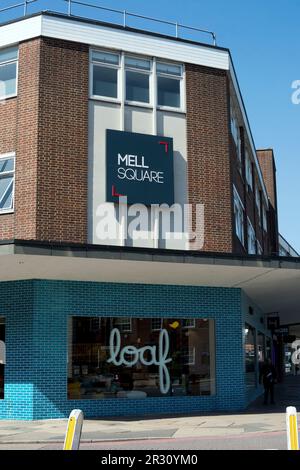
(105, 69)
(239, 216)
(8, 72)
(169, 84)
(235, 131)
(249, 173)
(259, 248)
(137, 79)
(156, 324)
(265, 222)
(7, 181)
(123, 324)
(251, 239)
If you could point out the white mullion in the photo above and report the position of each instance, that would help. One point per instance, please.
(122, 90)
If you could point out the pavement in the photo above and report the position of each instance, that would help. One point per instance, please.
(257, 419)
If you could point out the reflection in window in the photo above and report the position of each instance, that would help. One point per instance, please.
(106, 360)
(168, 92)
(105, 81)
(7, 178)
(137, 87)
(2, 356)
(250, 356)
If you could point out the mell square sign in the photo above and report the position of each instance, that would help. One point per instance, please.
(140, 167)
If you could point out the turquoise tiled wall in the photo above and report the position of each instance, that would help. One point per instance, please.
(36, 315)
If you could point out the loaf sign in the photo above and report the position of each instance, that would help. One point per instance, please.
(129, 356)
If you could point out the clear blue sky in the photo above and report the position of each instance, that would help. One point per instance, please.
(264, 38)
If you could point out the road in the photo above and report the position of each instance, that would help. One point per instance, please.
(249, 441)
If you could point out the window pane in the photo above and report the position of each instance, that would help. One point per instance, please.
(8, 82)
(105, 81)
(8, 54)
(137, 63)
(7, 165)
(137, 87)
(2, 356)
(168, 91)
(6, 192)
(105, 57)
(108, 362)
(170, 69)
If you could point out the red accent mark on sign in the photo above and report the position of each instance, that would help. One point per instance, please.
(114, 192)
(166, 144)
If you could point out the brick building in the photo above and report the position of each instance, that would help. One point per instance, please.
(65, 84)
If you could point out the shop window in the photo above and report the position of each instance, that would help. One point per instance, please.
(105, 71)
(2, 356)
(106, 362)
(239, 217)
(7, 179)
(8, 72)
(250, 356)
(137, 79)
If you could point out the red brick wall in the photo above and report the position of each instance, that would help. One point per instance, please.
(267, 165)
(27, 140)
(63, 142)
(209, 175)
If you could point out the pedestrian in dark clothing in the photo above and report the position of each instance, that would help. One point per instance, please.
(268, 376)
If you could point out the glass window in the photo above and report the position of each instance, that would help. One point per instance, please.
(239, 217)
(105, 81)
(105, 57)
(169, 69)
(105, 361)
(257, 200)
(7, 176)
(134, 62)
(137, 86)
(8, 72)
(249, 175)
(2, 356)
(259, 248)
(265, 223)
(250, 356)
(235, 131)
(251, 239)
(123, 324)
(168, 92)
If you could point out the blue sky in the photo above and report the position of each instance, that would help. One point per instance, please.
(264, 38)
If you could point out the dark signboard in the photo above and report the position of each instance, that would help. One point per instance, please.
(140, 167)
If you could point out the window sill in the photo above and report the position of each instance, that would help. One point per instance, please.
(172, 110)
(11, 211)
(105, 100)
(9, 97)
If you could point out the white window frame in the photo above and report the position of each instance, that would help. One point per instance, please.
(236, 134)
(109, 99)
(153, 86)
(7, 62)
(251, 238)
(257, 201)
(143, 71)
(12, 173)
(237, 202)
(181, 78)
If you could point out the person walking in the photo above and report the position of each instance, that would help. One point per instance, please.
(268, 376)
